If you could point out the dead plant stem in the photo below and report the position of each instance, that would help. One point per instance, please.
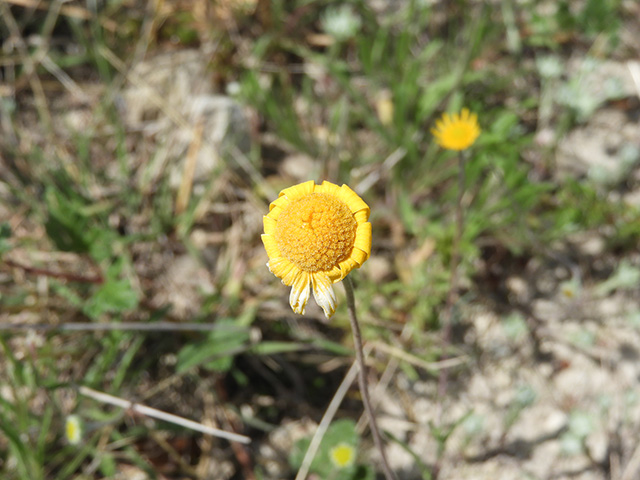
(362, 379)
(452, 294)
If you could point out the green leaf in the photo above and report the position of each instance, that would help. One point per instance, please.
(66, 225)
(272, 348)
(340, 432)
(217, 351)
(115, 295)
(108, 465)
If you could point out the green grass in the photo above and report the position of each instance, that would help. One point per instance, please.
(89, 228)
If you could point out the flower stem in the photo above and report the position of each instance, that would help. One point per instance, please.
(362, 379)
(452, 294)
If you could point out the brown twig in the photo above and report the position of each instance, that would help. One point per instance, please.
(71, 277)
(362, 379)
(116, 326)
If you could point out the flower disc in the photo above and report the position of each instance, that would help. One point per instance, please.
(316, 232)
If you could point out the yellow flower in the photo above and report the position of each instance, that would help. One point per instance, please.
(457, 131)
(342, 455)
(73, 429)
(314, 236)
(384, 107)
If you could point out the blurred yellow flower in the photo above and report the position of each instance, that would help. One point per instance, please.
(314, 236)
(342, 455)
(457, 131)
(73, 429)
(384, 107)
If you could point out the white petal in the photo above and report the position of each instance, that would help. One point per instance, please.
(324, 294)
(300, 291)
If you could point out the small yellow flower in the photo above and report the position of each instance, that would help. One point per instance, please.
(384, 107)
(342, 455)
(314, 236)
(73, 429)
(457, 131)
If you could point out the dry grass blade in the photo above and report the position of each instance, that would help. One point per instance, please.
(66, 81)
(184, 192)
(631, 471)
(160, 415)
(72, 11)
(119, 326)
(326, 420)
(30, 67)
(418, 362)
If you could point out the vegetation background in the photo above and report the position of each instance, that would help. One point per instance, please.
(140, 145)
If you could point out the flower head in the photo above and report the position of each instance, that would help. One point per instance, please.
(342, 455)
(73, 429)
(314, 236)
(457, 131)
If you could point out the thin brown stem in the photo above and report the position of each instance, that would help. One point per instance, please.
(362, 379)
(71, 277)
(455, 252)
(452, 294)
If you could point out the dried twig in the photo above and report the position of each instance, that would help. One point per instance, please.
(71, 277)
(326, 421)
(120, 326)
(362, 379)
(160, 415)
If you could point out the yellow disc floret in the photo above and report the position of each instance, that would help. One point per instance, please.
(342, 455)
(316, 232)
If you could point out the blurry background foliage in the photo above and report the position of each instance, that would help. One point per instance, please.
(87, 214)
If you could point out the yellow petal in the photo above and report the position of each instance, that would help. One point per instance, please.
(362, 216)
(283, 269)
(359, 256)
(324, 294)
(269, 225)
(271, 246)
(274, 211)
(297, 190)
(346, 266)
(353, 201)
(335, 274)
(291, 274)
(328, 187)
(279, 202)
(300, 291)
(363, 238)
